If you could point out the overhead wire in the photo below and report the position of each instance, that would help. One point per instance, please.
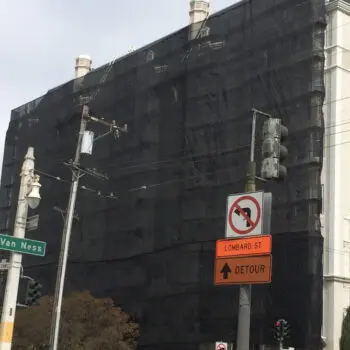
(178, 161)
(142, 187)
(174, 161)
(99, 193)
(204, 157)
(137, 163)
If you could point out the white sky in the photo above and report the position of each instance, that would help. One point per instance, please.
(39, 40)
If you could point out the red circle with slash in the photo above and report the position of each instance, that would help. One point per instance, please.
(253, 223)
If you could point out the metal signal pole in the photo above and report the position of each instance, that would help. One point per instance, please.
(245, 291)
(62, 266)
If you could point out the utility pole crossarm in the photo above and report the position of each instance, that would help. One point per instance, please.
(111, 125)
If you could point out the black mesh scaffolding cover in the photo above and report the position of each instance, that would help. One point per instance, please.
(187, 104)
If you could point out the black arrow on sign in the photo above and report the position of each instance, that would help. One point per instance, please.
(225, 271)
(248, 213)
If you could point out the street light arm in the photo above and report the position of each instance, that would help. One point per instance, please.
(27, 277)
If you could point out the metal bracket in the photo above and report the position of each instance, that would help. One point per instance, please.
(64, 211)
(102, 136)
(26, 277)
(22, 305)
(4, 265)
(86, 171)
(260, 178)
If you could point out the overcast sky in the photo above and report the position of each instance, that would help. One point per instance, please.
(40, 39)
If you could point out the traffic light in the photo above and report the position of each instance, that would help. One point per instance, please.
(33, 293)
(282, 330)
(274, 151)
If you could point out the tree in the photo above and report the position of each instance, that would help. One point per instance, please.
(86, 323)
(345, 332)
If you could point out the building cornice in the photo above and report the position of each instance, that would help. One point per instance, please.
(334, 47)
(338, 5)
(334, 67)
(339, 279)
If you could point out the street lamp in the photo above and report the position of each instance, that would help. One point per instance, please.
(33, 196)
(28, 196)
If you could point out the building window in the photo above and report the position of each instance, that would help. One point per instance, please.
(317, 75)
(7, 222)
(150, 56)
(329, 32)
(319, 38)
(204, 32)
(9, 197)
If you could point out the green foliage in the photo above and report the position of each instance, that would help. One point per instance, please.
(86, 323)
(345, 332)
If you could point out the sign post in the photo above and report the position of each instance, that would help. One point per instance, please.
(249, 208)
(244, 257)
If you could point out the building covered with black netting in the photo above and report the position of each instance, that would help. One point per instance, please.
(187, 104)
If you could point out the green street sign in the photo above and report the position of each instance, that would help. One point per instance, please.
(22, 245)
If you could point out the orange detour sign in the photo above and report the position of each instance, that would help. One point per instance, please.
(257, 245)
(243, 270)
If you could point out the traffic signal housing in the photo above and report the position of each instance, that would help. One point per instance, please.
(282, 330)
(33, 293)
(274, 151)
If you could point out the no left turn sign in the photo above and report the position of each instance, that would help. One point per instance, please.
(221, 346)
(244, 215)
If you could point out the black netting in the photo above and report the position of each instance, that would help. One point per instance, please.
(187, 105)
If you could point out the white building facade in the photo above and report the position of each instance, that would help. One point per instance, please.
(335, 219)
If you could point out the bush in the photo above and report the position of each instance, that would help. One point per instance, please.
(86, 323)
(345, 332)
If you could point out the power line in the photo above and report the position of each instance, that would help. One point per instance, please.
(137, 163)
(175, 160)
(203, 156)
(81, 187)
